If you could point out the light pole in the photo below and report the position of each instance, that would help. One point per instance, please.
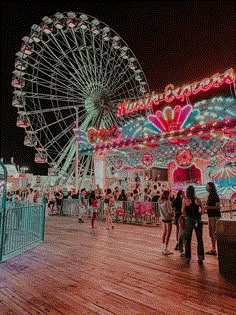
(76, 154)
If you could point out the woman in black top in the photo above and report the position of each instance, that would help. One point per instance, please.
(122, 196)
(213, 212)
(192, 209)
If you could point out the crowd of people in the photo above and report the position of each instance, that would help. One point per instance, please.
(183, 209)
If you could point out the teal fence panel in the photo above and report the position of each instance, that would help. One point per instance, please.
(23, 228)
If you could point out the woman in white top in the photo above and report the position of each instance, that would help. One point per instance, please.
(167, 215)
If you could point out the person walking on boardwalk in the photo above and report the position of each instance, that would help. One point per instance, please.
(167, 215)
(82, 205)
(192, 209)
(213, 212)
(93, 203)
(108, 204)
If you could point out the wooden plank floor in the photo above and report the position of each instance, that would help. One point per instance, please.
(78, 270)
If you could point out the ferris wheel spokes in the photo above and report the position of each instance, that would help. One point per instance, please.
(73, 60)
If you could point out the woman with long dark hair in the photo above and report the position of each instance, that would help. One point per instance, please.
(177, 206)
(192, 209)
(213, 212)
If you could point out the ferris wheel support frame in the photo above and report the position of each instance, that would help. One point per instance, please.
(76, 154)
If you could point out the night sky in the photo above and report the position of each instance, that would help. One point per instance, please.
(174, 42)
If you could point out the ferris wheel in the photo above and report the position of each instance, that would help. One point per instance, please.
(72, 68)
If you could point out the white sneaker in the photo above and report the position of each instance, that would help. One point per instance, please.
(163, 249)
(167, 252)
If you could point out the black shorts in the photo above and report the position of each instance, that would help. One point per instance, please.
(166, 221)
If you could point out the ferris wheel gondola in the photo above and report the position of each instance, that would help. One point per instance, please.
(72, 62)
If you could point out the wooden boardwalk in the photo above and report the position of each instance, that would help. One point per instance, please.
(78, 270)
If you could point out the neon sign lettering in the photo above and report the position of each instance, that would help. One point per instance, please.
(180, 93)
(103, 134)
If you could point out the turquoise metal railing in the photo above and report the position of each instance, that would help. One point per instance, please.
(23, 228)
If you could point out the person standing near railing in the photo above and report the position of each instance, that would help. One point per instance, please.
(122, 196)
(9, 196)
(213, 212)
(30, 197)
(129, 206)
(36, 196)
(137, 181)
(116, 195)
(136, 195)
(122, 204)
(16, 198)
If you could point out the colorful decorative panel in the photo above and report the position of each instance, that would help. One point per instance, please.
(229, 150)
(184, 157)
